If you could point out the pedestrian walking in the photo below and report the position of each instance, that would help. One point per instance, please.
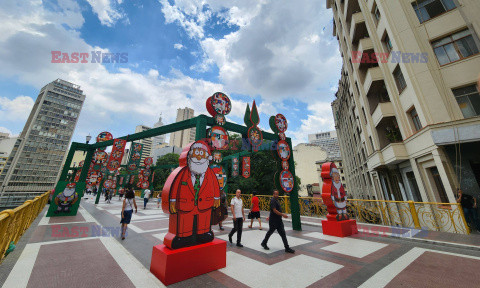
(275, 222)
(159, 199)
(238, 217)
(127, 211)
(121, 191)
(469, 206)
(146, 195)
(255, 211)
(94, 190)
(224, 209)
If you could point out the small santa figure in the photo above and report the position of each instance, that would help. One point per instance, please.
(338, 195)
(189, 194)
(66, 199)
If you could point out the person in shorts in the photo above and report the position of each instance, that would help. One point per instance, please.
(127, 211)
(255, 211)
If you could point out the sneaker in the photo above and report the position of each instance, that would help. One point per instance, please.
(230, 239)
(289, 250)
(265, 246)
(239, 245)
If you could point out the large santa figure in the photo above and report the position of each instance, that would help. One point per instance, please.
(189, 194)
(66, 199)
(338, 195)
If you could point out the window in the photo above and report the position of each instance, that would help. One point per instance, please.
(415, 119)
(455, 47)
(377, 14)
(438, 185)
(427, 9)
(468, 100)
(399, 79)
(388, 43)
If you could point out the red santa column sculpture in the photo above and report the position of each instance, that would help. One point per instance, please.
(188, 196)
(339, 197)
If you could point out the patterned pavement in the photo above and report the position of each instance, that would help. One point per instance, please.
(86, 251)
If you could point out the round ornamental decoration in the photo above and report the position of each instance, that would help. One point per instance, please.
(285, 165)
(217, 156)
(283, 150)
(221, 103)
(255, 136)
(281, 123)
(220, 119)
(146, 173)
(144, 185)
(117, 154)
(137, 147)
(148, 161)
(104, 136)
(282, 136)
(286, 181)
(108, 184)
(80, 164)
(221, 175)
(218, 138)
(99, 158)
(132, 167)
(139, 184)
(115, 164)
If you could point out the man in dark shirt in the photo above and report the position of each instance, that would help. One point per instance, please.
(275, 222)
(469, 205)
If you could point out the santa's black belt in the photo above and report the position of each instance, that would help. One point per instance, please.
(339, 200)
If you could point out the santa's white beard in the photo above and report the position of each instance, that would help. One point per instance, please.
(198, 168)
(337, 185)
(68, 192)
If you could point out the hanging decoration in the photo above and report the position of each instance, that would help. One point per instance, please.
(221, 175)
(279, 125)
(235, 167)
(148, 162)
(98, 159)
(218, 138)
(135, 156)
(217, 156)
(255, 136)
(246, 167)
(116, 155)
(102, 137)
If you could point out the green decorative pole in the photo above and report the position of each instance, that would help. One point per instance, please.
(294, 206)
(100, 188)
(68, 162)
(201, 127)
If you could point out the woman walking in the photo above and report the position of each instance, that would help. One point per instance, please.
(127, 210)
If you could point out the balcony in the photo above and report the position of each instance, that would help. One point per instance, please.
(365, 44)
(394, 153)
(357, 20)
(377, 94)
(383, 110)
(388, 131)
(373, 74)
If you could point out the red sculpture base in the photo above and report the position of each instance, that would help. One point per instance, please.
(339, 228)
(172, 266)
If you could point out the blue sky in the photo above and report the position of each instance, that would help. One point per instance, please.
(179, 53)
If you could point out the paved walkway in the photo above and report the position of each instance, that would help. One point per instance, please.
(86, 251)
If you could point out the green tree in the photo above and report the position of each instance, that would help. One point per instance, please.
(161, 174)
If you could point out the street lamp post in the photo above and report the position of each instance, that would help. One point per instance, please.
(87, 138)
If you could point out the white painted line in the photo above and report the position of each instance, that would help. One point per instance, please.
(23, 268)
(384, 276)
(135, 271)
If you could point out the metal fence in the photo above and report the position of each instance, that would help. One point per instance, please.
(445, 217)
(13, 223)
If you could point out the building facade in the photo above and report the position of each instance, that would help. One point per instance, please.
(305, 156)
(6, 147)
(35, 163)
(410, 72)
(182, 138)
(147, 142)
(158, 140)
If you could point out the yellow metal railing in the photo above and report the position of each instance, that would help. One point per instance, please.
(433, 216)
(138, 193)
(13, 223)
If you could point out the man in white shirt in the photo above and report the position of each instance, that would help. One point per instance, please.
(146, 195)
(238, 217)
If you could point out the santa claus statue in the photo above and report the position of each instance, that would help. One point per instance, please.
(339, 197)
(66, 199)
(188, 196)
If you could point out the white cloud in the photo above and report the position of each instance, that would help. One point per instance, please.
(5, 130)
(319, 119)
(178, 46)
(107, 11)
(17, 109)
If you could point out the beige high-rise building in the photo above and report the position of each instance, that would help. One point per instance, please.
(147, 143)
(412, 117)
(182, 138)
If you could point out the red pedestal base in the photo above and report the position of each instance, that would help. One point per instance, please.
(172, 266)
(339, 228)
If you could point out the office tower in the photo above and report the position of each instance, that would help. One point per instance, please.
(35, 163)
(182, 138)
(147, 143)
